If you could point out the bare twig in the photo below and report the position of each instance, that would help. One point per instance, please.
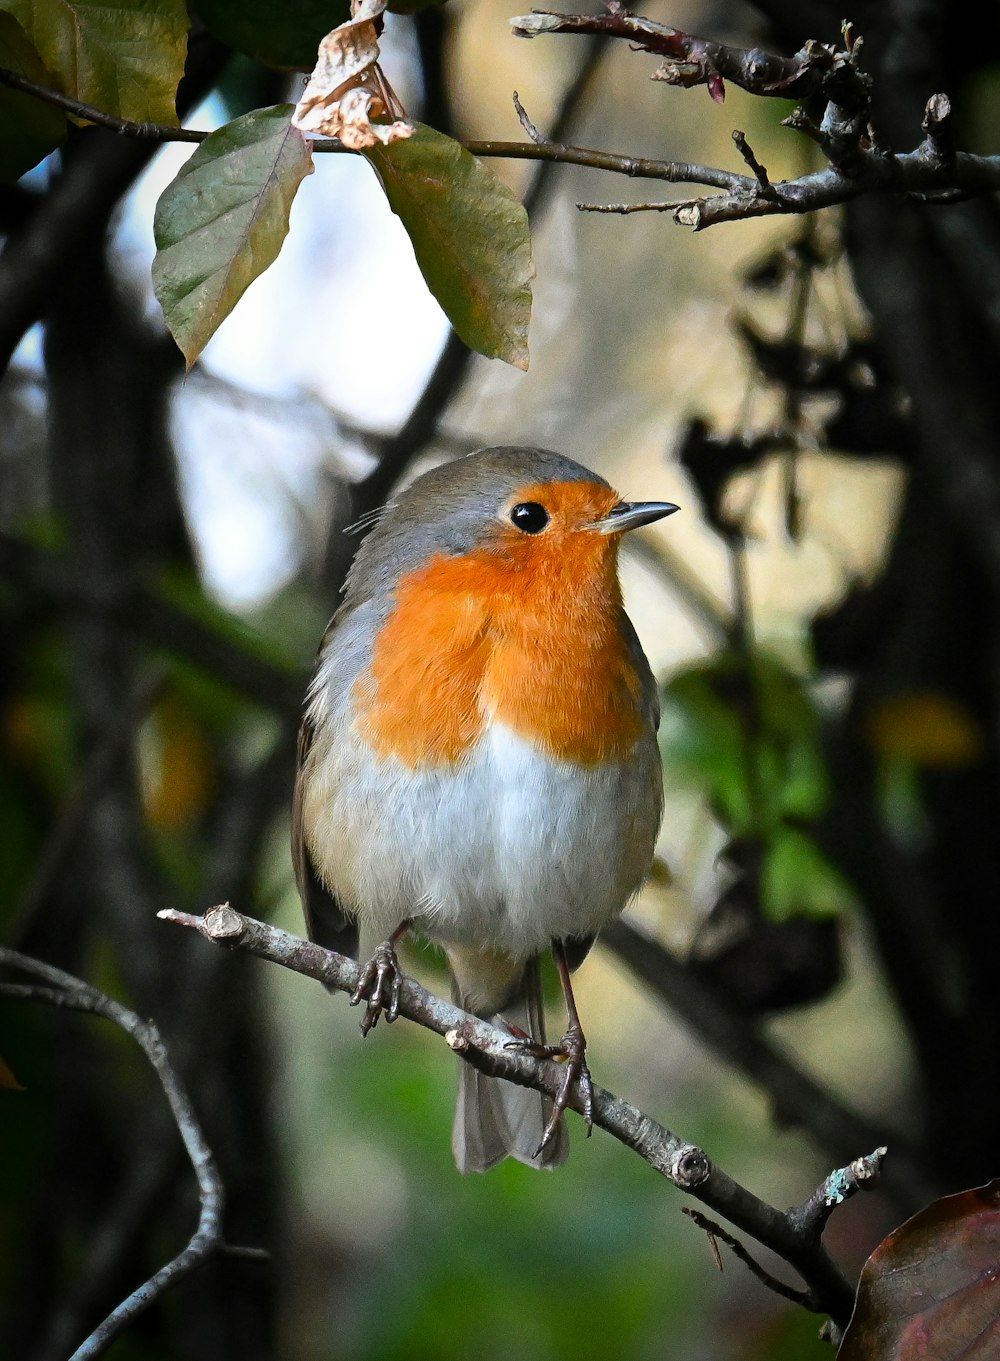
(817, 69)
(861, 1175)
(526, 123)
(716, 1233)
(62, 990)
(746, 151)
(485, 1046)
(154, 132)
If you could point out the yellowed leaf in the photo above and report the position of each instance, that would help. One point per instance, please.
(927, 728)
(7, 1079)
(347, 95)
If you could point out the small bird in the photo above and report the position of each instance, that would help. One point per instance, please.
(478, 761)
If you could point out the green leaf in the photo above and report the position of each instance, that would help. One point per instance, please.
(125, 57)
(470, 236)
(798, 880)
(29, 128)
(751, 740)
(286, 35)
(221, 222)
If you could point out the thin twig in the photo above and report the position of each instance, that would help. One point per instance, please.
(717, 1233)
(526, 123)
(62, 990)
(862, 1174)
(487, 1048)
(746, 151)
(155, 132)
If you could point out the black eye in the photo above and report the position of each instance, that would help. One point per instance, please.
(530, 517)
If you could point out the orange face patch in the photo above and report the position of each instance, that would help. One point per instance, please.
(525, 629)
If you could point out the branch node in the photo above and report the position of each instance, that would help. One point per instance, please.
(689, 1167)
(800, 121)
(223, 923)
(689, 214)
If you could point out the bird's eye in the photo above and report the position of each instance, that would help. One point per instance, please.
(529, 517)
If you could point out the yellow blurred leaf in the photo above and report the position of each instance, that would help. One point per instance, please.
(181, 772)
(924, 727)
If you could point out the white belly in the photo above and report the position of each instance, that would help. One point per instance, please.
(504, 852)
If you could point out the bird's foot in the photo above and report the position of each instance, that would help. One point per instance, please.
(571, 1051)
(379, 987)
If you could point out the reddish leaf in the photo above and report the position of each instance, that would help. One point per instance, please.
(932, 1288)
(716, 87)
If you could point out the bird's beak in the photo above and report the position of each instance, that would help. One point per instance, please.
(631, 514)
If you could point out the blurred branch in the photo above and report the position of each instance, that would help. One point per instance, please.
(148, 614)
(61, 841)
(64, 991)
(488, 1048)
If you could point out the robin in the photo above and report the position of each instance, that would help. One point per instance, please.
(478, 761)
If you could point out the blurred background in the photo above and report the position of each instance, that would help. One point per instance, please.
(808, 974)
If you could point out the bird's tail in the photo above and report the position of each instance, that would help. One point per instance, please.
(495, 1119)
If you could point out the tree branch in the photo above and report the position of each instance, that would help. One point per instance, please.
(149, 614)
(483, 1045)
(63, 990)
(817, 69)
(932, 172)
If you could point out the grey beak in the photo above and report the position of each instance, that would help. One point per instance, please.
(631, 514)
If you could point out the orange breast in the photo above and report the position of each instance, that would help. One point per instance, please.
(525, 629)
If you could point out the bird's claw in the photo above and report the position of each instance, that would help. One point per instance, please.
(379, 987)
(572, 1051)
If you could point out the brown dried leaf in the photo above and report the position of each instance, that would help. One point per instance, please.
(932, 1288)
(347, 93)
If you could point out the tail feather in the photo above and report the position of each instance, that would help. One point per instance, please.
(495, 1119)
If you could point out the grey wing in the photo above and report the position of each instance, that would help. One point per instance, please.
(326, 922)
